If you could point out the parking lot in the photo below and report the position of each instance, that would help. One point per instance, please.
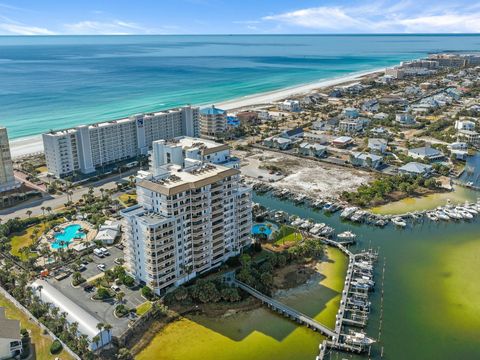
(102, 310)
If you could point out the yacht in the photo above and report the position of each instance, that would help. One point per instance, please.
(441, 215)
(358, 339)
(432, 216)
(346, 235)
(347, 212)
(399, 221)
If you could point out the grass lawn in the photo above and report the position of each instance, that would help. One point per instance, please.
(287, 234)
(143, 308)
(22, 239)
(41, 342)
(42, 169)
(128, 199)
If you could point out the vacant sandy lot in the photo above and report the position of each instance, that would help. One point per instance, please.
(303, 176)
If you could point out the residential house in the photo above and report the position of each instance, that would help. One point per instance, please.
(350, 113)
(371, 105)
(10, 338)
(290, 105)
(426, 153)
(470, 137)
(342, 141)
(464, 125)
(415, 168)
(366, 160)
(296, 133)
(314, 150)
(315, 138)
(276, 142)
(405, 119)
(377, 145)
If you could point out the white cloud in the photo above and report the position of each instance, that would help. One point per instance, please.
(20, 29)
(402, 16)
(115, 27)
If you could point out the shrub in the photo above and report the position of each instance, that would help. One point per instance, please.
(121, 310)
(128, 281)
(147, 293)
(56, 347)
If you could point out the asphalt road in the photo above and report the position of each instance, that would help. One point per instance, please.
(57, 201)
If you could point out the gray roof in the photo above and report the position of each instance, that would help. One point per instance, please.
(426, 151)
(87, 323)
(9, 328)
(364, 156)
(415, 167)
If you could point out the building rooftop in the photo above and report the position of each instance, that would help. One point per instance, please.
(9, 328)
(180, 180)
(87, 323)
(425, 151)
(415, 167)
(212, 110)
(207, 146)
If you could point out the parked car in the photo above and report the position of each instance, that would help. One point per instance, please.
(104, 251)
(101, 267)
(115, 288)
(88, 288)
(99, 253)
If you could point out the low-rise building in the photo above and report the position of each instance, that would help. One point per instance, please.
(366, 160)
(377, 144)
(315, 138)
(10, 338)
(415, 168)
(405, 119)
(314, 150)
(87, 322)
(469, 136)
(292, 134)
(342, 141)
(426, 153)
(464, 125)
(276, 142)
(290, 105)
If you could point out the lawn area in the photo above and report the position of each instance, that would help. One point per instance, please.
(287, 234)
(42, 169)
(143, 308)
(128, 199)
(41, 342)
(22, 239)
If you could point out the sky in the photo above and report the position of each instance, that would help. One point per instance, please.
(118, 17)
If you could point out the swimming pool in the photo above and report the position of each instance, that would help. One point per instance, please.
(264, 228)
(66, 236)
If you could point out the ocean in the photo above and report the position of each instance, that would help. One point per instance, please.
(53, 82)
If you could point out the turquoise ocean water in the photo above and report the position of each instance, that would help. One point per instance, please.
(60, 81)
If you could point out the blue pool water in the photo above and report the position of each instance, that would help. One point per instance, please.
(264, 229)
(62, 239)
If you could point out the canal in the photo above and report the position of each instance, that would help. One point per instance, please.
(431, 307)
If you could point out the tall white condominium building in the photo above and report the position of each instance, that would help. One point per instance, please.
(85, 148)
(213, 122)
(7, 179)
(192, 214)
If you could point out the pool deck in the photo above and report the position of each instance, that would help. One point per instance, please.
(91, 232)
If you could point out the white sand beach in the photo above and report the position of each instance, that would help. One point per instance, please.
(34, 144)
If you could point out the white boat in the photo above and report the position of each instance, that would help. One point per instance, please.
(358, 338)
(346, 235)
(441, 215)
(347, 212)
(468, 209)
(432, 216)
(464, 214)
(453, 214)
(399, 221)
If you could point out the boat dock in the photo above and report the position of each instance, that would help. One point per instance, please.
(354, 305)
(286, 310)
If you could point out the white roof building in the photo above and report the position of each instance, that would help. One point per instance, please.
(87, 323)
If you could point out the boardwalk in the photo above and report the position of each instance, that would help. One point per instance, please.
(287, 311)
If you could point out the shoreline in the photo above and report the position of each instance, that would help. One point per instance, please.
(33, 144)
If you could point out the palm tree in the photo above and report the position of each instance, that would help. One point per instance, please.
(96, 339)
(29, 213)
(100, 328)
(108, 327)
(43, 210)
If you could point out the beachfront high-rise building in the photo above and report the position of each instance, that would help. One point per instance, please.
(213, 122)
(192, 215)
(85, 148)
(7, 178)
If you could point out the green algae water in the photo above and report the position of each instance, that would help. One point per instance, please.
(258, 334)
(431, 306)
